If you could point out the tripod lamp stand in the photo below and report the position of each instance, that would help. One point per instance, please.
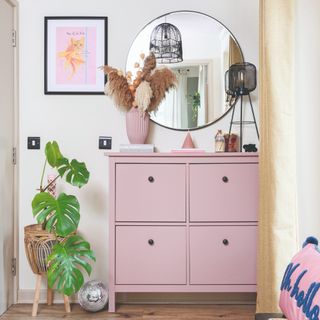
(240, 80)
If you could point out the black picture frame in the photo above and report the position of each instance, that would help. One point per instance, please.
(74, 49)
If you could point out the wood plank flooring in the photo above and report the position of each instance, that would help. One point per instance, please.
(135, 312)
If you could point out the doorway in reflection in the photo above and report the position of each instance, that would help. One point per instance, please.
(187, 105)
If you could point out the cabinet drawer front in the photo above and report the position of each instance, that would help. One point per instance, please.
(150, 192)
(151, 255)
(223, 255)
(224, 192)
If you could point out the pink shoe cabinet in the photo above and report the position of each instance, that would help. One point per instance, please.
(182, 223)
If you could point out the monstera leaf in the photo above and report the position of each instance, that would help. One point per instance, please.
(76, 172)
(53, 153)
(66, 262)
(61, 214)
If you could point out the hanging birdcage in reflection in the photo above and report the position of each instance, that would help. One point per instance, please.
(166, 43)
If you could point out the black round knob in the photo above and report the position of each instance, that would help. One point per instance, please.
(225, 242)
(151, 242)
(151, 179)
(225, 179)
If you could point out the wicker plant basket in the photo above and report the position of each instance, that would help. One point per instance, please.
(38, 245)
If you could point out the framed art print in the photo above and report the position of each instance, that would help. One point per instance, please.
(75, 48)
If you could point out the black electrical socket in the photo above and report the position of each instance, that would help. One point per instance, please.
(33, 142)
(105, 142)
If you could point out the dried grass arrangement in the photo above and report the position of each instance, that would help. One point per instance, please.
(145, 91)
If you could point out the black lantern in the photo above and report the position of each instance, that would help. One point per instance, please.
(240, 80)
(166, 44)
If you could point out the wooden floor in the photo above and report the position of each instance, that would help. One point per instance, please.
(134, 312)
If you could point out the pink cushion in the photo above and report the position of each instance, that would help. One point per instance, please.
(300, 287)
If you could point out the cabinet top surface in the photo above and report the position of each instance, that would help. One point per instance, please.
(183, 154)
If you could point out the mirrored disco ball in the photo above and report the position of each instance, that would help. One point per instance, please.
(93, 296)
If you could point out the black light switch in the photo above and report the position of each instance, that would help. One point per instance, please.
(33, 142)
(105, 142)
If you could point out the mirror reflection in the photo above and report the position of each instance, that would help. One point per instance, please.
(208, 51)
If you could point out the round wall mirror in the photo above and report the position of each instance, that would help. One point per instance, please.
(208, 50)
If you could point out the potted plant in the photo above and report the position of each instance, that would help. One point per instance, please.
(53, 246)
(140, 95)
(195, 106)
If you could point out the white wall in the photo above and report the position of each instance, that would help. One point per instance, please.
(308, 116)
(77, 121)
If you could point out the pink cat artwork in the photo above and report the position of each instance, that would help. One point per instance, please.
(76, 56)
(73, 55)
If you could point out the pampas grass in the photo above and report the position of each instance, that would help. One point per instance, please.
(117, 88)
(149, 64)
(161, 81)
(143, 96)
(146, 91)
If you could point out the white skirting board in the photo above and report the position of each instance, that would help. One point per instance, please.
(26, 296)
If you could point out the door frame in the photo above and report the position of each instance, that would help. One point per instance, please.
(15, 6)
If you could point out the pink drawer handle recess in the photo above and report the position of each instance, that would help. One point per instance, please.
(151, 179)
(225, 179)
(151, 242)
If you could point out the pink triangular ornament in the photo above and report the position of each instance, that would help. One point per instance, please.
(188, 143)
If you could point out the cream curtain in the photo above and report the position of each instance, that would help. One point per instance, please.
(278, 214)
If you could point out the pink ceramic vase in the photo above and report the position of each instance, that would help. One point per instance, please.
(137, 124)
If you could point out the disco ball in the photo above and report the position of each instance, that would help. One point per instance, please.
(93, 296)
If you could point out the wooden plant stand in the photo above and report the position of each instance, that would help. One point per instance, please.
(38, 246)
(49, 297)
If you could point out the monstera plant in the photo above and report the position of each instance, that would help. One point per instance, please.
(60, 215)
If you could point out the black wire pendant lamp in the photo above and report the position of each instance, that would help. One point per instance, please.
(166, 43)
(240, 80)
